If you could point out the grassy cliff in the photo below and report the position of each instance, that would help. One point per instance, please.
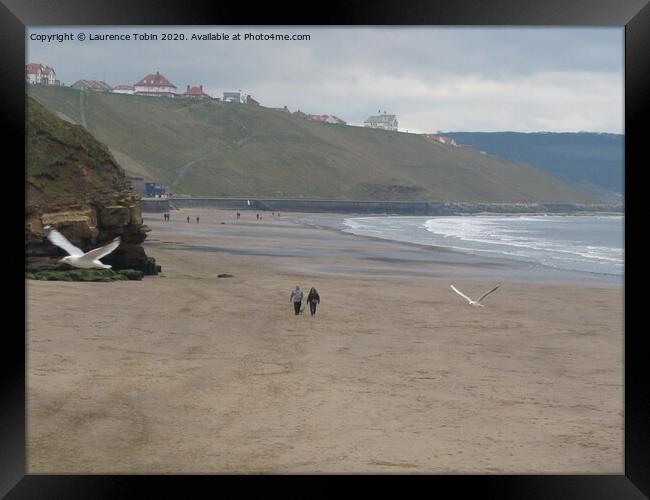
(73, 183)
(225, 149)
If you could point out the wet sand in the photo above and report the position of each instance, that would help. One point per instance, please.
(190, 373)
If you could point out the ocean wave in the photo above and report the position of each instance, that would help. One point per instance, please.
(568, 242)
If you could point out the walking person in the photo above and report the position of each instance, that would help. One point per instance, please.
(188, 219)
(312, 299)
(197, 220)
(296, 298)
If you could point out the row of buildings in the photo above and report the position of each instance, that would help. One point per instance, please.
(155, 84)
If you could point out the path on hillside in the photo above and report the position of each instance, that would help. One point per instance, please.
(184, 170)
(82, 110)
(236, 145)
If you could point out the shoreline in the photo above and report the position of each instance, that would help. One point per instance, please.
(387, 207)
(576, 275)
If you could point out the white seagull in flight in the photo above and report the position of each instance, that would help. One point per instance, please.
(475, 303)
(77, 258)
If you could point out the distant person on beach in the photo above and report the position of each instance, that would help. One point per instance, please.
(197, 220)
(312, 299)
(258, 216)
(238, 215)
(188, 219)
(296, 298)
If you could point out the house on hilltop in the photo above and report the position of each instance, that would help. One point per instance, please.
(442, 139)
(196, 93)
(232, 97)
(124, 89)
(240, 98)
(37, 74)
(334, 119)
(92, 85)
(155, 85)
(319, 118)
(250, 100)
(383, 121)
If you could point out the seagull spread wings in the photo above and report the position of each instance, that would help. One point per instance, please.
(100, 252)
(487, 293)
(77, 257)
(461, 294)
(60, 241)
(474, 302)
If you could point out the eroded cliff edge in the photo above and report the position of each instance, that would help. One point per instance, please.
(73, 183)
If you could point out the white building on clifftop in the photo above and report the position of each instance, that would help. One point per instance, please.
(155, 85)
(383, 121)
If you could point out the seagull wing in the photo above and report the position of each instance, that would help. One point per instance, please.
(100, 252)
(461, 294)
(60, 241)
(487, 293)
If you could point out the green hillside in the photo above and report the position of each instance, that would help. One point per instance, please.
(66, 168)
(232, 150)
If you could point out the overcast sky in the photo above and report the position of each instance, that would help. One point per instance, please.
(433, 79)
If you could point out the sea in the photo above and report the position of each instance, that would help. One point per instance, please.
(586, 243)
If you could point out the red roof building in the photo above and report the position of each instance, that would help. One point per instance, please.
(319, 118)
(38, 74)
(124, 89)
(196, 93)
(442, 139)
(91, 85)
(155, 84)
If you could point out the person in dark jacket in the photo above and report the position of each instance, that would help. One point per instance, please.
(312, 299)
(296, 298)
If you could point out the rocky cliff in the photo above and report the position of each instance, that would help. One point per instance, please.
(73, 183)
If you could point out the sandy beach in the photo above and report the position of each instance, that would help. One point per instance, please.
(187, 372)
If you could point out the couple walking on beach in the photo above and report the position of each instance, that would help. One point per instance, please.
(312, 299)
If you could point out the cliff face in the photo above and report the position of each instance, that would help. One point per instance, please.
(73, 183)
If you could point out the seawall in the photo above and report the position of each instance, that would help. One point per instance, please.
(373, 207)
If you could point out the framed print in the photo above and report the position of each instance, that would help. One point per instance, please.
(361, 241)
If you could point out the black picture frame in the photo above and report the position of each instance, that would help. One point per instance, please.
(634, 15)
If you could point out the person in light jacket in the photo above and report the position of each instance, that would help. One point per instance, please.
(296, 298)
(312, 299)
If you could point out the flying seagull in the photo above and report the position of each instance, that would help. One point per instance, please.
(475, 303)
(77, 257)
